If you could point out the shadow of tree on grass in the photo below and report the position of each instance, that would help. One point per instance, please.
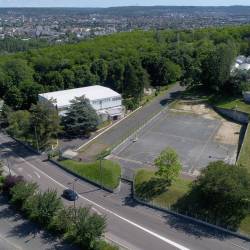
(148, 190)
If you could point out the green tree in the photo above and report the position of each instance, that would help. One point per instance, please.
(168, 164)
(216, 67)
(41, 207)
(221, 194)
(19, 71)
(45, 124)
(13, 97)
(68, 78)
(89, 228)
(21, 192)
(80, 117)
(19, 124)
(63, 221)
(100, 68)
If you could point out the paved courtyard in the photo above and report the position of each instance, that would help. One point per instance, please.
(198, 139)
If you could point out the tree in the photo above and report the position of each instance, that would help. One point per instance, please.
(99, 68)
(216, 67)
(45, 124)
(21, 192)
(13, 97)
(168, 164)
(221, 194)
(63, 221)
(80, 118)
(41, 207)
(89, 227)
(19, 124)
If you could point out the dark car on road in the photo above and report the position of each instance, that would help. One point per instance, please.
(69, 194)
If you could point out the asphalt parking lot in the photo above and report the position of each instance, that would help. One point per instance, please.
(192, 136)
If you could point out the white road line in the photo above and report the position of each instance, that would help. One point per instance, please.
(168, 241)
(38, 176)
(240, 246)
(94, 209)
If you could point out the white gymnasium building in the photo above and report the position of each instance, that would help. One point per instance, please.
(106, 102)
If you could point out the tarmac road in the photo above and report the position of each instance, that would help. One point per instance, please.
(131, 225)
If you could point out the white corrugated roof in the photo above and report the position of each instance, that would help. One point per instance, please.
(244, 66)
(63, 97)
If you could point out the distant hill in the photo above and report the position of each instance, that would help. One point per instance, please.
(134, 10)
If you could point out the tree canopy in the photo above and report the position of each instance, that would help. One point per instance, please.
(221, 194)
(127, 62)
(80, 117)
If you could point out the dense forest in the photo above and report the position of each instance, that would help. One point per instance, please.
(127, 63)
(11, 45)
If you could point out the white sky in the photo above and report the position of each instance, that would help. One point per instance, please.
(108, 3)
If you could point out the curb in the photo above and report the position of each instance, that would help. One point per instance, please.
(201, 222)
(107, 129)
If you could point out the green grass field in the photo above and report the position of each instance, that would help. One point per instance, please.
(231, 103)
(111, 171)
(153, 189)
(244, 156)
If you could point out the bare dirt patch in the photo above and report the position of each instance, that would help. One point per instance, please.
(228, 133)
(196, 108)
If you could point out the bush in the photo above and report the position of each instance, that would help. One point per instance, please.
(10, 181)
(62, 221)
(21, 192)
(88, 228)
(41, 207)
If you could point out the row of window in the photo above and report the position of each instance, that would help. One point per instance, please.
(106, 100)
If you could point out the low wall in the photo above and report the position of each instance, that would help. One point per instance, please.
(243, 143)
(116, 190)
(235, 115)
(198, 221)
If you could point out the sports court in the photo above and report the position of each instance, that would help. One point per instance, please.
(199, 137)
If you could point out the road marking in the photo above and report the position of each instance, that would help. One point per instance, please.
(9, 242)
(38, 176)
(240, 246)
(168, 241)
(94, 209)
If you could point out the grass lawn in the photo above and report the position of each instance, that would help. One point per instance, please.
(244, 156)
(151, 188)
(231, 103)
(245, 225)
(111, 171)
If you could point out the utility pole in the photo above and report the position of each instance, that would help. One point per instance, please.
(37, 145)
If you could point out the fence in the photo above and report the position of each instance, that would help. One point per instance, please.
(188, 216)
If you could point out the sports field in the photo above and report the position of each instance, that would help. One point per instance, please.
(195, 131)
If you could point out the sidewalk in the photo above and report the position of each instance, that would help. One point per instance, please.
(17, 233)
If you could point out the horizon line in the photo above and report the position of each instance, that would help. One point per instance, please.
(119, 6)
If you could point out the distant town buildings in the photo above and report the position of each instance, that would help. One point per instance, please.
(65, 24)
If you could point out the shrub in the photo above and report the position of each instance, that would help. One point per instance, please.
(10, 181)
(41, 207)
(88, 228)
(21, 192)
